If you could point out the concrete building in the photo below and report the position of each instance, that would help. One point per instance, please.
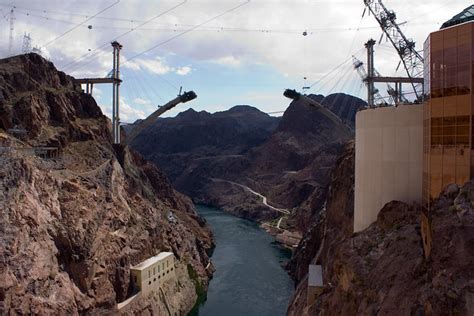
(315, 283)
(412, 152)
(150, 274)
(388, 159)
(449, 108)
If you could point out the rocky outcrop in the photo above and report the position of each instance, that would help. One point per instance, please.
(289, 164)
(72, 226)
(382, 270)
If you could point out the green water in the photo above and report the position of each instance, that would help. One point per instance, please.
(249, 279)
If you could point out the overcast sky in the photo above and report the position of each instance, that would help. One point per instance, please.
(228, 51)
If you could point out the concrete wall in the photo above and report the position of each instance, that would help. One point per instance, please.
(153, 276)
(388, 159)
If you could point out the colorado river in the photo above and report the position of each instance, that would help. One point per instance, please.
(249, 279)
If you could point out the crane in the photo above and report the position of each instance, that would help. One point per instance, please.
(181, 98)
(394, 94)
(411, 59)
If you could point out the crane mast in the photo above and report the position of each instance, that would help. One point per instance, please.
(395, 96)
(411, 59)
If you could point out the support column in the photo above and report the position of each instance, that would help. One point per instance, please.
(115, 93)
(370, 72)
(400, 93)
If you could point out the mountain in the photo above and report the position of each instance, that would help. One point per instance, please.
(174, 143)
(217, 159)
(382, 270)
(77, 211)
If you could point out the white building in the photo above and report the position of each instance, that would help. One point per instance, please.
(150, 274)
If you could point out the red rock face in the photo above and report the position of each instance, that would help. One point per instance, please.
(72, 226)
(382, 270)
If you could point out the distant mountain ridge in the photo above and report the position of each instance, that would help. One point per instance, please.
(288, 159)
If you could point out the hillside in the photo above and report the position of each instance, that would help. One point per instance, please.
(288, 160)
(78, 214)
(382, 270)
(174, 143)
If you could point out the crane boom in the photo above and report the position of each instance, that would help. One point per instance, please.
(411, 59)
(293, 94)
(183, 98)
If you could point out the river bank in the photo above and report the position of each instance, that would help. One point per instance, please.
(249, 277)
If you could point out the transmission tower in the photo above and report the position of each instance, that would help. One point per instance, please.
(12, 27)
(411, 59)
(26, 48)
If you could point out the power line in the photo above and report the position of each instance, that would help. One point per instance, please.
(188, 30)
(88, 19)
(129, 31)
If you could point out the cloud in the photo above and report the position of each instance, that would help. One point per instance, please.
(141, 101)
(267, 32)
(183, 71)
(155, 66)
(230, 61)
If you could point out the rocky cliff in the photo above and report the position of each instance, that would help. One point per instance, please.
(75, 220)
(382, 270)
(288, 160)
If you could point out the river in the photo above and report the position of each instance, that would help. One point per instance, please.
(249, 279)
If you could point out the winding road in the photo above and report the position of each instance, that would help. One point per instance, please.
(264, 198)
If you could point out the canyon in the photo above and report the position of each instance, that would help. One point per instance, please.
(78, 211)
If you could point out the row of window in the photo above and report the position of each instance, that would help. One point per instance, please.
(159, 276)
(157, 268)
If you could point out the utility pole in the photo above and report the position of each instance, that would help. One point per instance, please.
(370, 73)
(12, 27)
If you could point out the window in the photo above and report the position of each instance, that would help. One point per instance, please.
(149, 274)
(154, 271)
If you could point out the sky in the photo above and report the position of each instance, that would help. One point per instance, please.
(230, 52)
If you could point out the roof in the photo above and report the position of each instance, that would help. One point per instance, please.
(151, 261)
(465, 16)
(315, 277)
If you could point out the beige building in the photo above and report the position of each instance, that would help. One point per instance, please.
(151, 273)
(388, 159)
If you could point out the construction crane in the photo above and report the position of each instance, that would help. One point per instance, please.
(181, 98)
(395, 95)
(411, 59)
(294, 95)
